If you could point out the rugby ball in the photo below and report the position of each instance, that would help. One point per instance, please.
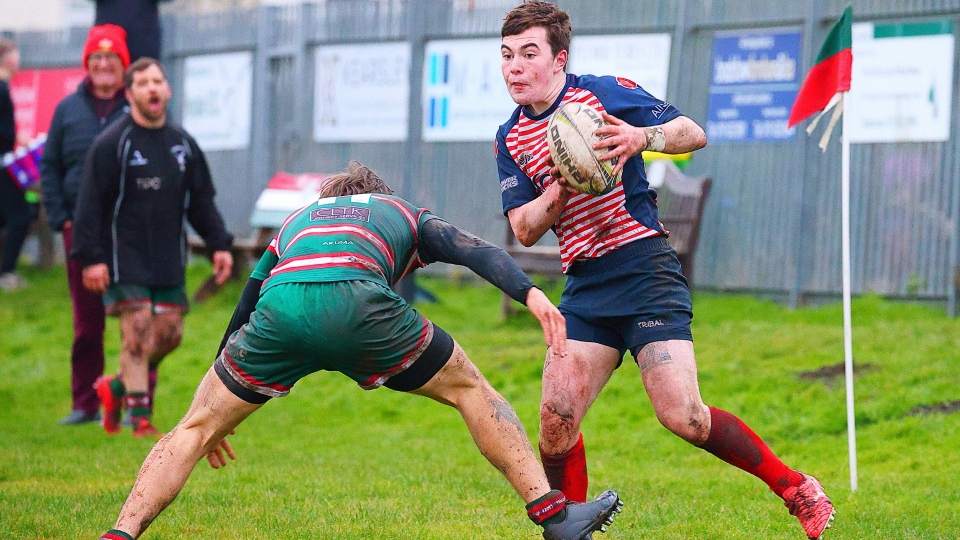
(571, 134)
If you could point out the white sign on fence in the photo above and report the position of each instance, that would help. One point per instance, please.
(362, 92)
(464, 96)
(642, 58)
(217, 91)
(901, 82)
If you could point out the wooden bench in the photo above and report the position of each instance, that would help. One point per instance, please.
(680, 203)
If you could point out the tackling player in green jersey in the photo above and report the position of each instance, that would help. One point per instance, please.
(321, 299)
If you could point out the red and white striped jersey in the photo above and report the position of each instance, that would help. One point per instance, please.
(589, 226)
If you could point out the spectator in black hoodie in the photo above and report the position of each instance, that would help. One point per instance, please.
(77, 120)
(143, 180)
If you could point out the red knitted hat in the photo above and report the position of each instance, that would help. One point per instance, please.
(107, 38)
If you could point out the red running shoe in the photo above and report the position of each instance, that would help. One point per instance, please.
(810, 505)
(112, 405)
(143, 428)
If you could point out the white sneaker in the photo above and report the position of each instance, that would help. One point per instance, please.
(9, 281)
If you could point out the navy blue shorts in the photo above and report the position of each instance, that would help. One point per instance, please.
(628, 297)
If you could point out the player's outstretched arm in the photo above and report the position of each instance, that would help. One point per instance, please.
(551, 320)
(624, 141)
(443, 242)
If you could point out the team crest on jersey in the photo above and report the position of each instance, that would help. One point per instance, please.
(138, 159)
(524, 158)
(627, 83)
(180, 152)
(340, 212)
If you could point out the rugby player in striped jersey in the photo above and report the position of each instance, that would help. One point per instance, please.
(624, 289)
(321, 299)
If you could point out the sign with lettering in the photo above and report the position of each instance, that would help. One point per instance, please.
(902, 82)
(755, 80)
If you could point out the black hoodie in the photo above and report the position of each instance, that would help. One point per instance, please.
(139, 189)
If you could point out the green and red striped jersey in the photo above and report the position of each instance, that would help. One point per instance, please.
(369, 237)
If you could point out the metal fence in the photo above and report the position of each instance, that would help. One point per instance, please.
(772, 223)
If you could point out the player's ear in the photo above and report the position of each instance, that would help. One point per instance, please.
(560, 62)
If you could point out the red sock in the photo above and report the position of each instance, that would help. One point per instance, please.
(735, 443)
(568, 471)
(544, 510)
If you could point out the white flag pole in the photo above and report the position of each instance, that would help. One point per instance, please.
(847, 326)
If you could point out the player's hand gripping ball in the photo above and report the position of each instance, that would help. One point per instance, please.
(571, 134)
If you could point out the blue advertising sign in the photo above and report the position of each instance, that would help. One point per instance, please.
(754, 84)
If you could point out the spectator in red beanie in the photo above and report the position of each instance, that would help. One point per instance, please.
(107, 38)
(78, 119)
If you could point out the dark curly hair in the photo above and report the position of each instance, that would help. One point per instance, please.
(533, 13)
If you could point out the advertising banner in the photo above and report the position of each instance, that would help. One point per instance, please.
(464, 96)
(361, 92)
(218, 90)
(36, 93)
(642, 58)
(901, 83)
(754, 83)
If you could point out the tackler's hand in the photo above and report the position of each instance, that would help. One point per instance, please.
(551, 320)
(216, 458)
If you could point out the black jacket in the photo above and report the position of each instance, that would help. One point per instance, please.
(8, 130)
(139, 189)
(75, 124)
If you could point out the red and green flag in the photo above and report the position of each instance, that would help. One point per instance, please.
(830, 73)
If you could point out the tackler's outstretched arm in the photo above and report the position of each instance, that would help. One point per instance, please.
(446, 243)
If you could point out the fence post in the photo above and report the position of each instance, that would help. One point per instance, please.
(416, 29)
(260, 116)
(806, 213)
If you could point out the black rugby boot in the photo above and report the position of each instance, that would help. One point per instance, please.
(582, 519)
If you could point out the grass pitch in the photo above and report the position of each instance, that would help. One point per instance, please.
(332, 461)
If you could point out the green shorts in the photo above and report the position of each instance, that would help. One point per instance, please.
(359, 328)
(122, 297)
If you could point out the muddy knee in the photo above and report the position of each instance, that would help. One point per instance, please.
(691, 423)
(135, 331)
(134, 343)
(559, 428)
(166, 340)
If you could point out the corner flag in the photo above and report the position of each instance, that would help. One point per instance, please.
(827, 80)
(826, 87)
(830, 73)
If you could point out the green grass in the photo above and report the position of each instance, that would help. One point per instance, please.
(332, 461)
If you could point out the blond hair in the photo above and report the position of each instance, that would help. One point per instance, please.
(356, 180)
